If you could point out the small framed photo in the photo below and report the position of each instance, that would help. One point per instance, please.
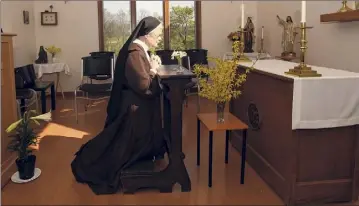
(48, 18)
(26, 17)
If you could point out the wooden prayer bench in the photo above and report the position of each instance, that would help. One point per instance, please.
(143, 174)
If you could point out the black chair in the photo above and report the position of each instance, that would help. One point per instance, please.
(25, 99)
(25, 84)
(103, 53)
(198, 56)
(96, 72)
(195, 56)
(166, 57)
(25, 76)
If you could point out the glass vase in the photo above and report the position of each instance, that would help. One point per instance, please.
(220, 112)
(180, 69)
(53, 58)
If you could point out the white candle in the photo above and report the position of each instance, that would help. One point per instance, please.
(262, 32)
(304, 5)
(242, 15)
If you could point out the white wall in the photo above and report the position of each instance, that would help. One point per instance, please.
(77, 30)
(76, 34)
(219, 18)
(12, 22)
(333, 45)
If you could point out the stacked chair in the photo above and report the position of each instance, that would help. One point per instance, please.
(195, 56)
(97, 73)
(26, 96)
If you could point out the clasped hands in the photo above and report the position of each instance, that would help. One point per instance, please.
(155, 62)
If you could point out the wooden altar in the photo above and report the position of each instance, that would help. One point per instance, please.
(303, 165)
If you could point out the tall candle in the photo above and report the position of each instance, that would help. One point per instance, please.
(304, 5)
(262, 32)
(242, 15)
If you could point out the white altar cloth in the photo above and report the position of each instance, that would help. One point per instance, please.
(42, 69)
(319, 102)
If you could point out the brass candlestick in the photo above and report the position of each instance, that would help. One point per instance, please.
(242, 57)
(302, 70)
(345, 7)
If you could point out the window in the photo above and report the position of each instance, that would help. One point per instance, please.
(181, 19)
(150, 8)
(116, 24)
(182, 25)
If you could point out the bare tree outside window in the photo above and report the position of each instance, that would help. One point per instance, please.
(150, 8)
(117, 22)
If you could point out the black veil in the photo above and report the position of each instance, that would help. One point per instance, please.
(144, 27)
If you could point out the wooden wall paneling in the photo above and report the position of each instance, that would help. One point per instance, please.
(8, 106)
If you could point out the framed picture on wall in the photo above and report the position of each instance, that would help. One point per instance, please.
(26, 17)
(48, 18)
(357, 5)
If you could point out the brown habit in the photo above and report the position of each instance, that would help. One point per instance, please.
(133, 134)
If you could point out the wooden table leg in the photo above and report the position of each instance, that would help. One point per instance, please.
(22, 107)
(198, 142)
(53, 97)
(243, 161)
(59, 85)
(43, 101)
(226, 151)
(210, 158)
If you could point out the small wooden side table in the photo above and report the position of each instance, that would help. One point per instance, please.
(231, 123)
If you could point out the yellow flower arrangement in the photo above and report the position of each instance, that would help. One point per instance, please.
(224, 80)
(221, 83)
(53, 50)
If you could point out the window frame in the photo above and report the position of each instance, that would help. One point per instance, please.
(166, 22)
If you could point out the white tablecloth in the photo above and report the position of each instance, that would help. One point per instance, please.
(51, 68)
(319, 102)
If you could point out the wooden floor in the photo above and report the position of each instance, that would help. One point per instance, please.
(61, 138)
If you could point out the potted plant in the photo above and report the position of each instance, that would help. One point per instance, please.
(223, 84)
(23, 137)
(53, 51)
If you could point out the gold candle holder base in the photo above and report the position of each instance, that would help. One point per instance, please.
(244, 59)
(345, 7)
(303, 71)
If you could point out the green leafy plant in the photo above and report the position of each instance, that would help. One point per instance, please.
(23, 134)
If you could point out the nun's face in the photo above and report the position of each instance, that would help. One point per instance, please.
(155, 36)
